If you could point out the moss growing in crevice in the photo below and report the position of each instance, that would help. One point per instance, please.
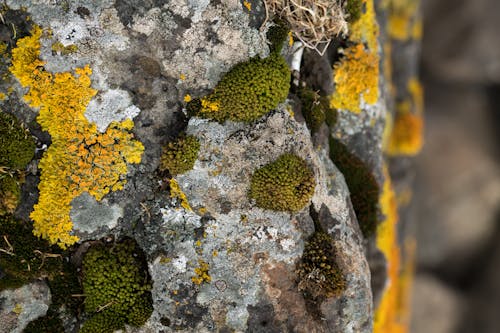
(286, 184)
(24, 256)
(179, 156)
(248, 91)
(17, 146)
(315, 108)
(317, 272)
(277, 35)
(116, 286)
(363, 186)
(48, 323)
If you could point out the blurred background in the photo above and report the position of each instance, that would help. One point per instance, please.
(457, 197)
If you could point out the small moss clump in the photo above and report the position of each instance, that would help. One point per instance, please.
(116, 287)
(10, 193)
(248, 91)
(314, 108)
(318, 274)
(277, 35)
(179, 156)
(354, 9)
(17, 146)
(362, 185)
(286, 184)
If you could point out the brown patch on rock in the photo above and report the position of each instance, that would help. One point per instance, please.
(289, 305)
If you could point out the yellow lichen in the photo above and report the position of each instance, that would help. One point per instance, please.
(247, 5)
(182, 77)
(356, 77)
(407, 131)
(201, 273)
(2, 96)
(386, 316)
(187, 98)
(209, 106)
(403, 22)
(365, 29)
(176, 192)
(80, 158)
(59, 47)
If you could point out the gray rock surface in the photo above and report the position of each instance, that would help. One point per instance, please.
(20, 306)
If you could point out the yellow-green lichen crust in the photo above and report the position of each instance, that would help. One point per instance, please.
(248, 91)
(179, 156)
(317, 272)
(116, 287)
(286, 184)
(80, 158)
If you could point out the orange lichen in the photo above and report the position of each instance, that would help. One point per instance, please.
(80, 159)
(406, 134)
(356, 77)
(387, 314)
(247, 5)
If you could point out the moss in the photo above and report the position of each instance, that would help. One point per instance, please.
(17, 146)
(80, 158)
(248, 91)
(179, 156)
(363, 187)
(116, 286)
(277, 35)
(10, 193)
(354, 9)
(24, 256)
(48, 323)
(314, 108)
(331, 116)
(104, 322)
(317, 272)
(286, 184)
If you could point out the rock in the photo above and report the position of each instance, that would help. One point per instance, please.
(461, 174)
(436, 307)
(474, 59)
(20, 306)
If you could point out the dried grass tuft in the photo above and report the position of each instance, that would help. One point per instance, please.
(313, 22)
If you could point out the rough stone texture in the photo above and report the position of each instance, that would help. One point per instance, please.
(146, 57)
(20, 306)
(262, 246)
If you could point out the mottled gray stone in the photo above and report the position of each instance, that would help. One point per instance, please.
(20, 306)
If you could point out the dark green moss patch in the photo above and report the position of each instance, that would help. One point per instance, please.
(179, 156)
(17, 146)
(48, 323)
(116, 286)
(314, 108)
(277, 35)
(248, 91)
(24, 256)
(354, 9)
(318, 274)
(286, 184)
(362, 185)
